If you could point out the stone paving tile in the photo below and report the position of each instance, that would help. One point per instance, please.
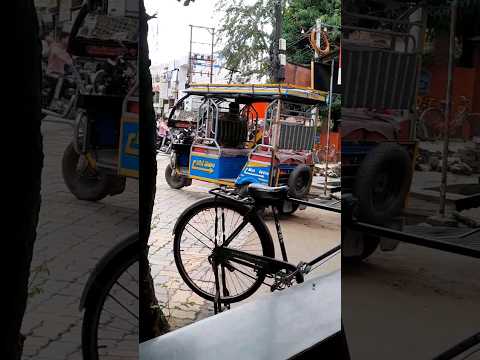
(72, 237)
(180, 305)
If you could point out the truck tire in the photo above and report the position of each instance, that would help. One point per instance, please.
(87, 185)
(382, 183)
(299, 181)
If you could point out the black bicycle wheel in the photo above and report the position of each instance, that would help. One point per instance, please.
(432, 121)
(110, 323)
(195, 240)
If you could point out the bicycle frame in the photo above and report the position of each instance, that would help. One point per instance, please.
(282, 271)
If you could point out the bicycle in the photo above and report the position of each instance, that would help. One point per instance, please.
(432, 121)
(228, 265)
(111, 302)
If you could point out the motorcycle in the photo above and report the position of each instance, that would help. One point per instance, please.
(114, 77)
(60, 93)
(163, 138)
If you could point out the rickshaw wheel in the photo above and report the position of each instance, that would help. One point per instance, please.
(382, 183)
(369, 243)
(281, 211)
(88, 184)
(299, 181)
(176, 181)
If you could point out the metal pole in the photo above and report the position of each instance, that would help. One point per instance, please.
(330, 98)
(448, 108)
(319, 36)
(274, 137)
(420, 40)
(211, 57)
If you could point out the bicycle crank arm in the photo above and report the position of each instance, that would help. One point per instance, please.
(258, 262)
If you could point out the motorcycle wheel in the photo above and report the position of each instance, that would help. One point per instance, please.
(175, 181)
(83, 181)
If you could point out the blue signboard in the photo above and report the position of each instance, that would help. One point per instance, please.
(254, 172)
(204, 166)
(129, 148)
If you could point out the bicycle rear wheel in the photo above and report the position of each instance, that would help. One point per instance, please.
(473, 123)
(432, 121)
(110, 322)
(194, 244)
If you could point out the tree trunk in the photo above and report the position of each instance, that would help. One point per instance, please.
(152, 320)
(23, 85)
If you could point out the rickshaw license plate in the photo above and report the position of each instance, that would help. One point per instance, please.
(128, 164)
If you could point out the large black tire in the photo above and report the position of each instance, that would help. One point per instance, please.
(91, 187)
(97, 297)
(118, 184)
(255, 221)
(284, 212)
(299, 181)
(176, 182)
(382, 183)
(370, 244)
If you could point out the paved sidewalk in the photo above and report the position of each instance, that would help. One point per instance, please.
(72, 237)
(305, 233)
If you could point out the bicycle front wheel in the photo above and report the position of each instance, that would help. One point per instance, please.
(110, 322)
(205, 226)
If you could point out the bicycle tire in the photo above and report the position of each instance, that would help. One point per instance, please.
(431, 121)
(96, 300)
(473, 122)
(255, 221)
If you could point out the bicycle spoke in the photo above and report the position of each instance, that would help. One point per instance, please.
(127, 290)
(123, 306)
(248, 275)
(201, 233)
(198, 239)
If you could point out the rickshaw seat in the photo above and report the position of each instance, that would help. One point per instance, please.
(231, 132)
(268, 193)
(235, 152)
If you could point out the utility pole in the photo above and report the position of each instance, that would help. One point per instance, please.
(278, 69)
(189, 73)
(200, 59)
(211, 56)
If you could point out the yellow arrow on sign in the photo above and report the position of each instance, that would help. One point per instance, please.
(131, 141)
(209, 170)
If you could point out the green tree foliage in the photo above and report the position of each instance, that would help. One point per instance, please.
(246, 32)
(302, 15)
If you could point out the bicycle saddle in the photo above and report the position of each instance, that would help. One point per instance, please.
(267, 193)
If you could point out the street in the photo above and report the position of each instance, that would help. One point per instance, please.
(72, 236)
(307, 234)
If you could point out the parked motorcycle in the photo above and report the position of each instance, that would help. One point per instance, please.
(114, 77)
(60, 93)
